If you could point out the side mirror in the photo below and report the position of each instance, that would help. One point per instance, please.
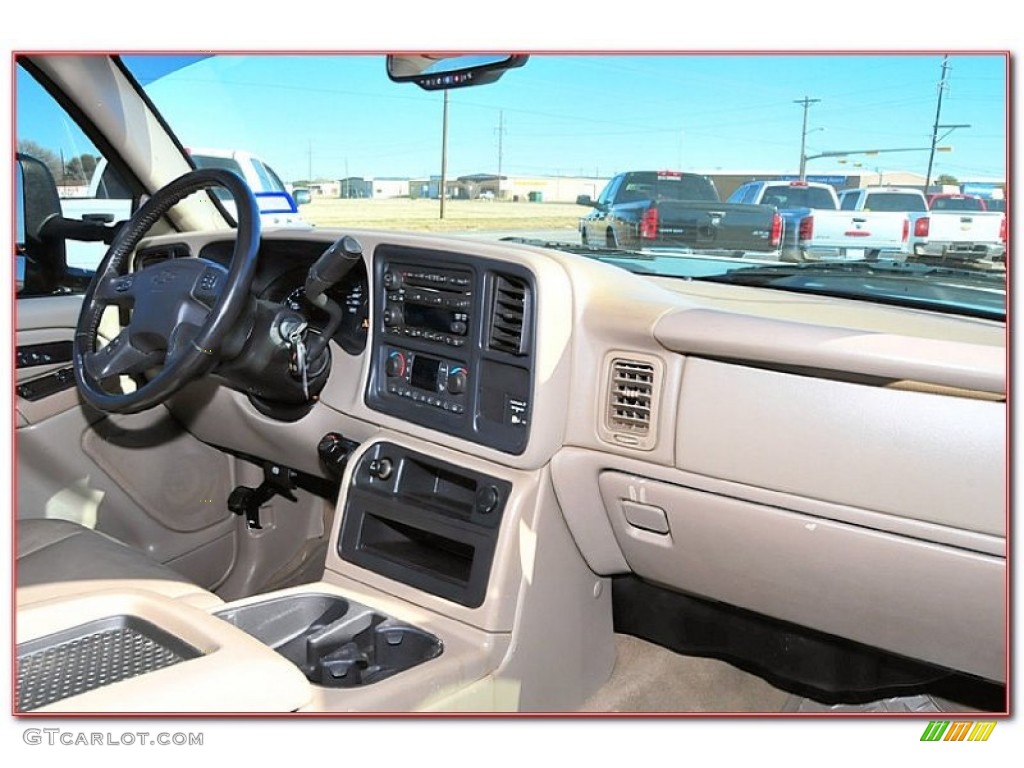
(302, 196)
(39, 200)
(19, 208)
(435, 72)
(19, 228)
(585, 200)
(19, 257)
(40, 258)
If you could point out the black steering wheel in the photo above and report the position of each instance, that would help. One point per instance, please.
(180, 310)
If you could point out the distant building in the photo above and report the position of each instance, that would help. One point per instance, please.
(325, 188)
(353, 187)
(389, 186)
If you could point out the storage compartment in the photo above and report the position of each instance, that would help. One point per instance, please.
(429, 552)
(83, 658)
(871, 586)
(423, 522)
(335, 642)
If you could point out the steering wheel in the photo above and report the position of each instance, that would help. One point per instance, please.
(181, 310)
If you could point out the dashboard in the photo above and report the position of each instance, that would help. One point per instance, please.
(748, 446)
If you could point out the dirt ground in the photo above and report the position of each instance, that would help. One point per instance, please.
(460, 215)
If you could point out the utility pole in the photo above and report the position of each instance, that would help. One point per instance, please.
(501, 133)
(444, 151)
(935, 127)
(806, 103)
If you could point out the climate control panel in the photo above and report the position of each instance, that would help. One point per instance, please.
(427, 379)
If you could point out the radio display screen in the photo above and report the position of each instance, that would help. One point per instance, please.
(425, 372)
(432, 318)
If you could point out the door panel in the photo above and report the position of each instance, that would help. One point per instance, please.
(43, 321)
(142, 479)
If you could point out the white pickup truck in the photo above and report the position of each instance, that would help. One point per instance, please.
(108, 199)
(936, 232)
(815, 229)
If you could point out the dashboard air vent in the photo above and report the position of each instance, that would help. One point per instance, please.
(630, 397)
(510, 312)
(147, 257)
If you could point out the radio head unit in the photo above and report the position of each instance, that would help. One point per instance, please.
(437, 360)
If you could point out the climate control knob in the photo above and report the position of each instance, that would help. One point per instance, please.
(457, 381)
(396, 365)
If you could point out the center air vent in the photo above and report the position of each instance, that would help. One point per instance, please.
(510, 311)
(631, 398)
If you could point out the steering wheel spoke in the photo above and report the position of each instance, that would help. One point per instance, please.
(121, 358)
(116, 289)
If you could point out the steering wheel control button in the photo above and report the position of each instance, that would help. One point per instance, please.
(208, 286)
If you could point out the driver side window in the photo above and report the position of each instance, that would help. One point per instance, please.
(66, 179)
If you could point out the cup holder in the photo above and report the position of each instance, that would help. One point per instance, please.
(335, 642)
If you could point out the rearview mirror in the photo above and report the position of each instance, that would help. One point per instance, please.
(440, 71)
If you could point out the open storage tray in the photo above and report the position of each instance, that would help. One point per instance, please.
(83, 658)
(335, 642)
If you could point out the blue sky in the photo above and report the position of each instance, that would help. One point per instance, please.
(595, 114)
(598, 114)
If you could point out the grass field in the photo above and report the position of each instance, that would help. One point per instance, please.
(460, 215)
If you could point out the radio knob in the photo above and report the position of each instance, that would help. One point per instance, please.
(459, 328)
(393, 314)
(457, 381)
(392, 280)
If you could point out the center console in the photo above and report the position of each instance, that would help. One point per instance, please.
(453, 345)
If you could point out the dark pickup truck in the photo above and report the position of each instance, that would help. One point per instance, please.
(651, 209)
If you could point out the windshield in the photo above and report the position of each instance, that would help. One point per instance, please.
(794, 196)
(514, 157)
(650, 185)
(957, 204)
(894, 201)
